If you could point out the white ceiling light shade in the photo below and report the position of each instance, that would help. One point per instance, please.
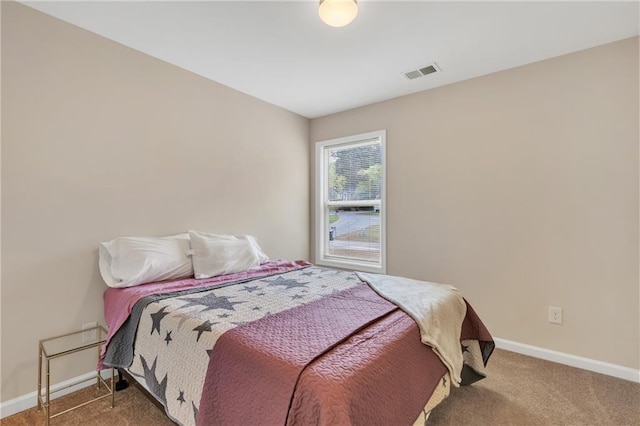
(338, 13)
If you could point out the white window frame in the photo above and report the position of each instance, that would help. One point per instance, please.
(322, 205)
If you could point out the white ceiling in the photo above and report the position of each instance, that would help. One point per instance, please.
(282, 53)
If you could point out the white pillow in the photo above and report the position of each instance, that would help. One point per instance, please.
(131, 261)
(214, 255)
(261, 255)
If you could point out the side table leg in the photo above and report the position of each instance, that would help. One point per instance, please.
(39, 403)
(47, 402)
(98, 375)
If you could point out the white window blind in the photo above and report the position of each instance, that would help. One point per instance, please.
(350, 186)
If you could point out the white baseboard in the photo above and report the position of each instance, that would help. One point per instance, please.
(29, 400)
(596, 366)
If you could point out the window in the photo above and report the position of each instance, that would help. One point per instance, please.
(350, 207)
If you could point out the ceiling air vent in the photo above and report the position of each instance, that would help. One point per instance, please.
(429, 69)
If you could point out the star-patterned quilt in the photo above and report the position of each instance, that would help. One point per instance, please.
(169, 338)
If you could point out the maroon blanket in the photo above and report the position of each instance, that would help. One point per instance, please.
(254, 368)
(326, 362)
(381, 376)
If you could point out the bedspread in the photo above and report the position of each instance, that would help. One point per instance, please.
(177, 334)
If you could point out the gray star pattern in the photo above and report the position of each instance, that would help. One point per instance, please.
(159, 389)
(250, 289)
(181, 397)
(288, 283)
(156, 318)
(205, 326)
(168, 338)
(210, 301)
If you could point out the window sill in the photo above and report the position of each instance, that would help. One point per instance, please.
(351, 265)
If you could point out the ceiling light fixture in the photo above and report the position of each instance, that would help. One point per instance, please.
(338, 13)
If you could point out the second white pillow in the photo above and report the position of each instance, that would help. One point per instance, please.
(214, 255)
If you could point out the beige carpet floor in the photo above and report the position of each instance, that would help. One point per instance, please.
(519, 390)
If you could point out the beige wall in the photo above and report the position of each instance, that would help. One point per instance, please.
(99, 141)
(521, 189)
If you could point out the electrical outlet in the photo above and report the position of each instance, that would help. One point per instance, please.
(88, 336)
(555, 315)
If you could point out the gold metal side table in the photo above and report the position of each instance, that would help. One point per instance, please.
(66, 344)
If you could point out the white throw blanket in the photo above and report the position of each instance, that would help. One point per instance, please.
(438, 309)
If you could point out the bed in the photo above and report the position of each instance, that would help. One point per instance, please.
(286, 343)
